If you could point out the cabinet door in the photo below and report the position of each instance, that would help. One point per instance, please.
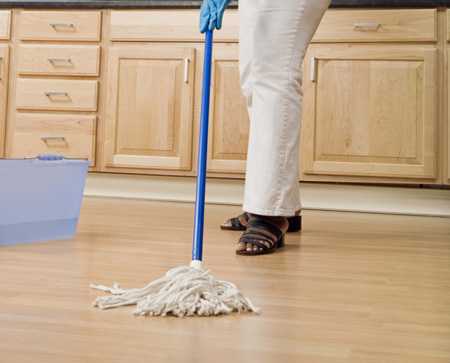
(229, 125)
(4, 60)
(149, 107)
(370, 111)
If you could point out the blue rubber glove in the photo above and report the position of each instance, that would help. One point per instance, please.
(211, 14)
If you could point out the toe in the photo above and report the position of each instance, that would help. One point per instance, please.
(227, 223)
(241, 246)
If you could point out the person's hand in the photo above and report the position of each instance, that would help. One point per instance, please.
(211, 14)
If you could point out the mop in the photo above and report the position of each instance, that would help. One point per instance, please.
(185, 290)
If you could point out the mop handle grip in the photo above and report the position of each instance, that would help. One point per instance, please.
(199, 217)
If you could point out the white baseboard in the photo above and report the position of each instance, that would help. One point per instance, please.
(315, 196)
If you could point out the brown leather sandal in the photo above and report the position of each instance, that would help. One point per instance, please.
(240, 222)
(263, 234)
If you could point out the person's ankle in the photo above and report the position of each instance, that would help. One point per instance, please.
(279, 221)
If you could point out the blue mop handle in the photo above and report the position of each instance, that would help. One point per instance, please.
(197, 243)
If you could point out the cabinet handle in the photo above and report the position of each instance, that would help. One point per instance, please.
(313, 69)
(60, 62)
(52, 95)
(186, 70)
(367, 27)
(52, 140)
(1, 71)
(63, 26)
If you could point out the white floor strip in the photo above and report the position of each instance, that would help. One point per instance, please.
(315, 196)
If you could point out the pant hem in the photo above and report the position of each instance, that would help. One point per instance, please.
(273, 212)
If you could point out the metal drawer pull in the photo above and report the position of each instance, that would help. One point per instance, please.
(313, 69)
(63, 26)
(63, 96)
(367, 27)
(186, 70)
(53, 140)
(60, 62)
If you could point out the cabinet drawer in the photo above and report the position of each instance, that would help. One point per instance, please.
(167, 25)
(5, 24)
(68, 135)
(56, 94)
(377, 26)
(59, 25)
(58, 60)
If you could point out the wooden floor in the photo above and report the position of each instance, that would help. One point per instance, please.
(354, 288)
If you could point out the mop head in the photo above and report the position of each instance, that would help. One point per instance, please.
(182, 291)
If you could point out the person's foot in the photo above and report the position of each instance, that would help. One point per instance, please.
(240, 222)
(263, 235)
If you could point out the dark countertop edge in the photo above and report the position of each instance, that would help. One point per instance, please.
(183, 4)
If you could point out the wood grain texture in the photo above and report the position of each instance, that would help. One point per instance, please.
(60, 60)
(56, 94)
(442, 71)
(12, 79)
(149, 110)
(102, 92)
(5, 24)
(448, 25)
(61, 25)
(229, 120)
(77, 131)
(4, 82)
(168, 25)
(350, 288)
(399, 25)
(357, 25)
(371, 111)
(446, 142)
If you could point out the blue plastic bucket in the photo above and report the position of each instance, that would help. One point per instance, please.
(40, 199)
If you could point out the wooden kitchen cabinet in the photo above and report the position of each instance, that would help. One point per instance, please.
(229, 122)
(149, 107)
(370, 111)
(371, 105)
(4, 61)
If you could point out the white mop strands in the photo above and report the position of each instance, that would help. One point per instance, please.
(182, 291)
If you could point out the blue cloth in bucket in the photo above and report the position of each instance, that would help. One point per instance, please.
(40, 199)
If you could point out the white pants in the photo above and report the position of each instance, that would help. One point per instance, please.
(274, 36)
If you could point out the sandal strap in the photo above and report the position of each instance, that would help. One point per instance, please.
(259, 224)
(236, 223)
(261, 233)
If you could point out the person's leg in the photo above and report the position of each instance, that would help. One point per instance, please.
(274, 39)
(247, 21)
(278, 37)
